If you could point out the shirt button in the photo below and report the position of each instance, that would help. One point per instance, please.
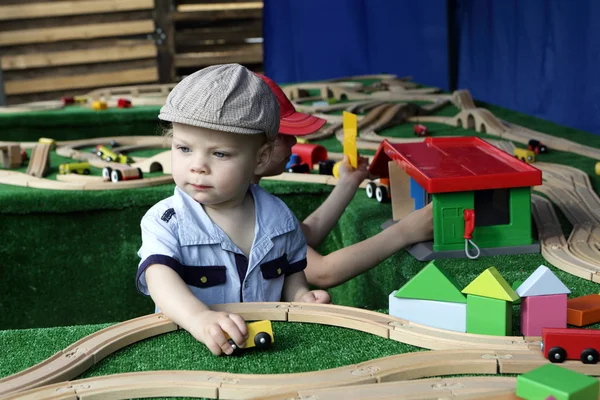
(203, 279)
(278, 271)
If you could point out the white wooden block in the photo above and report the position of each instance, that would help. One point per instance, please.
(542, 282)
(437, 314)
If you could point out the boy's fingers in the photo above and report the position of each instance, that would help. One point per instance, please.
(213, 346)
(221, 341)
(229, 326)
(241, 324)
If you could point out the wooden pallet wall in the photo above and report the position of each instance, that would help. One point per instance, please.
(54, 48)
(216, 32)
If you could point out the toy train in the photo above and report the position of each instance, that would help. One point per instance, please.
(121, 174)
(379, 189)
(525, 155)
(109, 155)
(260, 335)
(560, 344)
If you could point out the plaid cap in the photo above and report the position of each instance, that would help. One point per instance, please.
(227, 98)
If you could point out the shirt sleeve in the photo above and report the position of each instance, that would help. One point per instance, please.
(296, 250)
(160, 245)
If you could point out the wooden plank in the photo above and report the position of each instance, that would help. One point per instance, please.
(250, 54)
(237, 33)
(216, 15)
(49, 35)
(166, 40)
(86, 56)
(220, 6)
(58, 9)
(82, 81)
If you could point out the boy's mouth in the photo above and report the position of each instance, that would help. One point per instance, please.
(201, 187)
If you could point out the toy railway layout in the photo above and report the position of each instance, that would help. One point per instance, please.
(385, 103)
(453, 353)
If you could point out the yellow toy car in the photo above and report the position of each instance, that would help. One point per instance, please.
(260, 335)
(525, 155)
(108, 155)
(74, 168)
(597, 168)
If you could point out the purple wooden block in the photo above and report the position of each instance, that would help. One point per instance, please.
(539, 312)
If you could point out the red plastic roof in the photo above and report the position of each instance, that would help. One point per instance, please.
(456, 164)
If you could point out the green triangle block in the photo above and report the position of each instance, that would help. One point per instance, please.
(432, 283)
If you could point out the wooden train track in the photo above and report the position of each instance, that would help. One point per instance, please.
(454, 353)
(39, 162)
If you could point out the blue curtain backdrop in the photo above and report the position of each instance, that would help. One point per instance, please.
(539, 57)
(322, 39)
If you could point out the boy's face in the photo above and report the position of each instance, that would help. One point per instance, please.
(214, 167)
(282, 150)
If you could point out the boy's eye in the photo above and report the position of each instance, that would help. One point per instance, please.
(219, 154)
(183, 149)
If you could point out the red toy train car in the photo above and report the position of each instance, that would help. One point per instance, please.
(560, 344)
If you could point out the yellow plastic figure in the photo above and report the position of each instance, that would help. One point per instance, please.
(350, 132)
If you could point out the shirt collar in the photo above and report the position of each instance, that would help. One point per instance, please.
(273, 218)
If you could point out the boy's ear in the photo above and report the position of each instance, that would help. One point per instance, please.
(264, 157)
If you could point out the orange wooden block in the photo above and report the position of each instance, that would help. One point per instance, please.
(583, 310)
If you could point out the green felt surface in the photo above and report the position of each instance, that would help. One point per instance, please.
(68, 258)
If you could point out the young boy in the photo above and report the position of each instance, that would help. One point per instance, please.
(219, 239)
(344, 264)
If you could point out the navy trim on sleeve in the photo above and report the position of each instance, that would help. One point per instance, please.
(275, 268)
(168, 215)
(197, 276)
(296, 267)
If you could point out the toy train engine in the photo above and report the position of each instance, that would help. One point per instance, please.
(560, 344)
(537, 147)
(109, 155)
(295, 165)
(525, 155)
(421, 130)
(74, 168)
(260, 335)
(121, 174)
(380, 189)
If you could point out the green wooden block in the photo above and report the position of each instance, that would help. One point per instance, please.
(552, 380)
(432, 283)
(488, 316)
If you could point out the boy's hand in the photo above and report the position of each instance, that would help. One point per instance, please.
(315, 296)
(209, 328)
(420, 224)
(355, 175)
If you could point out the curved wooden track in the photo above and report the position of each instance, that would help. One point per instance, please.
(456, 353)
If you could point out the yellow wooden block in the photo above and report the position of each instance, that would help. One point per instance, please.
(491, 284)
(350, 133)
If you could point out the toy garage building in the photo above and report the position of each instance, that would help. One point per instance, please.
(481, 195)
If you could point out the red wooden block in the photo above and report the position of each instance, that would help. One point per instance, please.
(539, 312)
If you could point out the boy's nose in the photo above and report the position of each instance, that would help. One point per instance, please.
(199, 166)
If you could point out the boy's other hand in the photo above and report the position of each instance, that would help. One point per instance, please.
(211, 328)
(315, 296)
(355, 175)
(419, 224)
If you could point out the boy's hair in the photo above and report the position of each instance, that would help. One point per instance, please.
(227, 98)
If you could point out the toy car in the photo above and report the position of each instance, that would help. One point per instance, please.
(537, 147)
(560, 344)
(525, 155)
(379, 189)
(260, 335)
(74, 168)
(294, 165)
(121, 174)
(99, 105)
(108, 155)
(123, 103)
(421, 130)
(597, 168)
